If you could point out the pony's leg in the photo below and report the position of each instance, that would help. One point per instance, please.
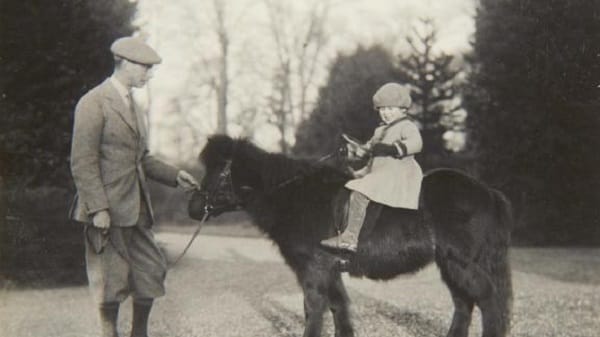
(491, 319)
(463, 285)
(339, 306)
(495, 309)
(492, 294)
(314, 286)
(463, 310)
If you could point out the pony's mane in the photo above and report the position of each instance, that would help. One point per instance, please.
(274, 169)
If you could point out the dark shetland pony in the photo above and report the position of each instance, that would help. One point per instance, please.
(463, 225)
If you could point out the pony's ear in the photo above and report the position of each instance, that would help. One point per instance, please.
(217, 149)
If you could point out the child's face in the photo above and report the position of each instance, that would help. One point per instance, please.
(389, 114)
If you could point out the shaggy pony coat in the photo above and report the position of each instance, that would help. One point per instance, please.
(462, 225)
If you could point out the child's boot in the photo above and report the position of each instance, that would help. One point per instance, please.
(348, 240)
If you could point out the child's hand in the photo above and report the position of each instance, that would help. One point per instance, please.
(356, 152)
(361, 151)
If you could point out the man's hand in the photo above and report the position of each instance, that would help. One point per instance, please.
(186, 181)
(101, 220)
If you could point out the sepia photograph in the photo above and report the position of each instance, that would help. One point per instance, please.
(316, 168)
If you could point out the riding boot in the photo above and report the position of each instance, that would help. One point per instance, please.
(141, 312)
(109, 313)
(357, 211)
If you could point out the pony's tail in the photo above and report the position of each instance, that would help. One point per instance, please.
(500, 264)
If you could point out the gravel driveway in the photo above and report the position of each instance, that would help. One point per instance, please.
(227, 286)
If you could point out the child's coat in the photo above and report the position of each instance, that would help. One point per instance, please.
(391, 181)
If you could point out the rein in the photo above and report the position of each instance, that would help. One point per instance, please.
(300, 175)
(225, 176)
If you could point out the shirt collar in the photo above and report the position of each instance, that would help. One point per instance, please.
(121, 89)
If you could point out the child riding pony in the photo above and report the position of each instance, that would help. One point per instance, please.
(392, 176)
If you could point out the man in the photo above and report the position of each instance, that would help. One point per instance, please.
(110, 164)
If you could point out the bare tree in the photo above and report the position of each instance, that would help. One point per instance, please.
(217, 67)
(235, 81)
(312, 45)
(221, 84)
(298, 47)
(209, 74)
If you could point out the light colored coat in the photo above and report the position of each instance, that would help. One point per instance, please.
(392, 181)
(110, 160)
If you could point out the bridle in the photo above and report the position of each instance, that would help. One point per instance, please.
(222, 190)
(210, 197)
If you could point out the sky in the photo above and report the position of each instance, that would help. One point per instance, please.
(182, 31)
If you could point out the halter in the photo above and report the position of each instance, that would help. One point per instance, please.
(223, 189)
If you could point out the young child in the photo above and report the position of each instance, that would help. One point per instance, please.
(392, 176)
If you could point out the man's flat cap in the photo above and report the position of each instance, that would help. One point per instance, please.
(136, 50)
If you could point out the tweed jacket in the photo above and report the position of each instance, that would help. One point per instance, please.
(110, 162)
(391, 181)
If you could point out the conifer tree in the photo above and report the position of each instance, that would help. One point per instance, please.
(532, 113)
(432, 77)
(345, 103)
(51, 53)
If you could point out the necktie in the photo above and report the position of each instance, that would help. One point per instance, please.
(137, 116)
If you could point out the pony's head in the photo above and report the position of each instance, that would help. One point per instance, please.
(217, 192)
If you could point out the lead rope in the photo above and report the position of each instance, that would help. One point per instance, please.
(204, 218)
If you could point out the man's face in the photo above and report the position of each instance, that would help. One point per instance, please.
(138, 74)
